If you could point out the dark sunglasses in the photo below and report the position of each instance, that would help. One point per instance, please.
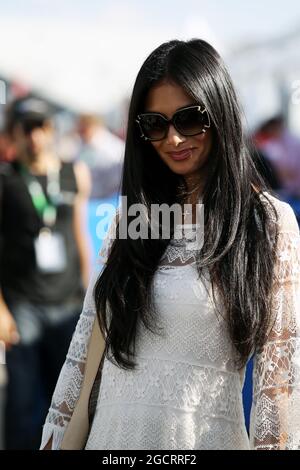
(188, 121)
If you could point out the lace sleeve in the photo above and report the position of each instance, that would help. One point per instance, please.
(71, 376)
(275, 413)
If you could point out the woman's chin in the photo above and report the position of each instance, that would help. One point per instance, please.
(181, 168)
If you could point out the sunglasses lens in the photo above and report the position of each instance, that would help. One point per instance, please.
(153, 126)
(190, 121)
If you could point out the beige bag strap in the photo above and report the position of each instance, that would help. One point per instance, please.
(76, 433)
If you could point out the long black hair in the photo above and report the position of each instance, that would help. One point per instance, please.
(239, 239)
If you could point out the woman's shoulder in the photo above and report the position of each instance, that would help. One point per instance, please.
(281, 212)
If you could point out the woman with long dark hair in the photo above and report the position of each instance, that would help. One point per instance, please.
(180, 316)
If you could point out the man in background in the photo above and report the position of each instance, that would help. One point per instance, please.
(44, 267)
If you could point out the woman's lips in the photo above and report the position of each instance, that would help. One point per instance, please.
(181, 155)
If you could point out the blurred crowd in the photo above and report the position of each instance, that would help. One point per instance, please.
(46, 182)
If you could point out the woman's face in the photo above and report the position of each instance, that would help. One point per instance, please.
(186, 156)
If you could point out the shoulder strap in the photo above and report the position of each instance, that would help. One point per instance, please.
(76, 433)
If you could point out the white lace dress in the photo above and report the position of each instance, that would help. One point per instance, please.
(186, 392)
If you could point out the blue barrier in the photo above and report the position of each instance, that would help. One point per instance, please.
(93, 220)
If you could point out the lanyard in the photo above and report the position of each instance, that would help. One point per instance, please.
(46, 207)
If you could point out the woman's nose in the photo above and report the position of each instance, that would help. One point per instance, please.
(174, 137)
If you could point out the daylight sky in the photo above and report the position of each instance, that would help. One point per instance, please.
(86, 53)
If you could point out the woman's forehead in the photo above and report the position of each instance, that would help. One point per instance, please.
(166, 98)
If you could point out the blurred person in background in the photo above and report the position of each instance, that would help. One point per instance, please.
(103, 152)
(44, 261)
(282, 150)
(264, 166)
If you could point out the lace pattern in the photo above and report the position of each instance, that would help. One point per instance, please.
(186, 393)
(163, 429)
(275, 414)
(177, 385)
